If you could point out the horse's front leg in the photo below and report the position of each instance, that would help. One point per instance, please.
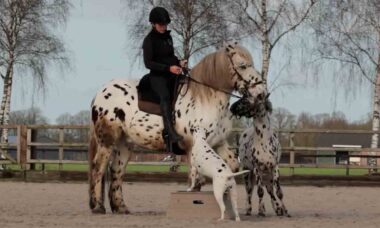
(229, 156)
(115, 193)
(99, 165)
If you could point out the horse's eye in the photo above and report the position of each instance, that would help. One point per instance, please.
(243, 67)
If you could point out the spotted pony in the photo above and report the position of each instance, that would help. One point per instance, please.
(260, 152)
(117, 122)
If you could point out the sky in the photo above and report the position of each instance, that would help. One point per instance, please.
(97, 39)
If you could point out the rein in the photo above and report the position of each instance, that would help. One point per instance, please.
(245, 93)
(209, 86)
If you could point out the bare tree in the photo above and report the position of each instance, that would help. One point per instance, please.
(348, 33)
(27, 117)
(283, 119)
(268, 22)
(28, 43)
(197, 24)
(80, 118)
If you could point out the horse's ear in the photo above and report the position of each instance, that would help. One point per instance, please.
(229, 47)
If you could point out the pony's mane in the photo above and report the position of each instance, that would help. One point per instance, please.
(214, 70)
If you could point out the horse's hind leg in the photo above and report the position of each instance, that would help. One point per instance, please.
(228, 156)
(97, 170)
(115, 193)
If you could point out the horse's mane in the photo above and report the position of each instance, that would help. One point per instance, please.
(214, 70)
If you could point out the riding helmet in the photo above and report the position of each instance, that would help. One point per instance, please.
(159, 15)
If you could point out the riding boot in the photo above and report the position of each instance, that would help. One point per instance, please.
(168, 125)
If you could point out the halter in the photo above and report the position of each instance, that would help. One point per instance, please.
(245, 92)
(247, 82)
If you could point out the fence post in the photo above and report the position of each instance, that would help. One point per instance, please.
(292, 155)
(22, 147)
(60, 150)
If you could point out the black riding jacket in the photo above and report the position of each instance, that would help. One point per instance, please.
(159, 53)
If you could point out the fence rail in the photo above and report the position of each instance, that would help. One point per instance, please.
(25, 143)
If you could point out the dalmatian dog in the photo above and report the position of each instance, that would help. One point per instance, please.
(205, 161)
(259, 152)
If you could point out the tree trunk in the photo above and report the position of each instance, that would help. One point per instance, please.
(376, 117)
(5, 103)
(265, 41)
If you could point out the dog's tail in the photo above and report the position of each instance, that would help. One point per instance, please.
(239, 173)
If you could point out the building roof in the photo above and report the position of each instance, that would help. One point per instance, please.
(328, 140)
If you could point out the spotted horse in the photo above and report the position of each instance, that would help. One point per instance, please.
(117, 121)
(260, 152)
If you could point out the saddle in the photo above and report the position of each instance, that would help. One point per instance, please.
(149, 102)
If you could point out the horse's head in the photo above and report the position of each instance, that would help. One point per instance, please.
(247, 81)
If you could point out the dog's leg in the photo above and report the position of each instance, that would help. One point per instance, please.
(260, 192)
(249, 185)
(219, 189)
(233, 198)
(193, 178)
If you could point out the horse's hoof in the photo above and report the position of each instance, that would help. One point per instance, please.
(237, 219)
(261, 214)
(123, 210)
(99, 210)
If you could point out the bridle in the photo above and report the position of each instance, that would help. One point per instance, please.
(236, 72)
(246, 82)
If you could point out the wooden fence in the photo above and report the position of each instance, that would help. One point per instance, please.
(25, 143)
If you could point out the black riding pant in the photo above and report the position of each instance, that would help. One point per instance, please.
(163, 86)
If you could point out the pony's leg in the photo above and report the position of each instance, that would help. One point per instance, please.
(99, 166)
(233, 198)
(260, 193)
(279, 194)
(228, 156)
(269, 185)
(249, 185)
(115, 193)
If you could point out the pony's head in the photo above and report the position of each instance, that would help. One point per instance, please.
(230, 68)
(247, 81)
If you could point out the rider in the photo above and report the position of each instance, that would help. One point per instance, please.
(164, 66)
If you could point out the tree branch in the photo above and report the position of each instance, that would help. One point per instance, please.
(282, 6)
(312, 2)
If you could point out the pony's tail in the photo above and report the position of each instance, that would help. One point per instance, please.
(239, 173)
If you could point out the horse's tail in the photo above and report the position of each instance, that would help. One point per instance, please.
(239, 173)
